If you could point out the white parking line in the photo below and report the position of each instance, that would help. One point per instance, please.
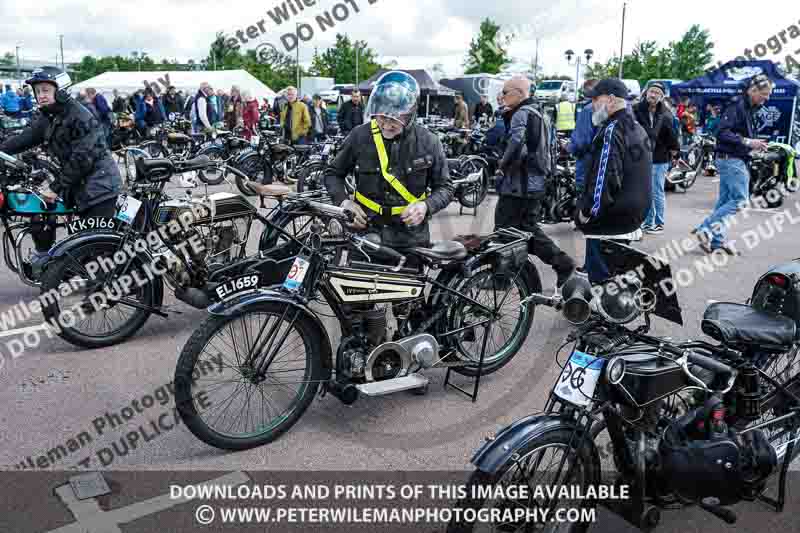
(21, 331)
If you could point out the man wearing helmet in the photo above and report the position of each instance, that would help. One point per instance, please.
(89, 180)
(401, 171)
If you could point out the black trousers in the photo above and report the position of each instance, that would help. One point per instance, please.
(43, 232)
(523, 214)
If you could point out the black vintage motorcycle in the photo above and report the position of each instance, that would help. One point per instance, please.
(773, 174)
(220, 228)
(466, 309)
(687, 423)
(697, 158)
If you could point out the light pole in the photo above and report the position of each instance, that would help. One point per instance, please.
(19, 75)
(588, 53)
(358, 50)
(61, 39)
(622, 39)
(297, 31)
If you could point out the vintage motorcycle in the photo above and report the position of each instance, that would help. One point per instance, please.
(774, 173)
(220, 223)
(463, 310)
(687, 423)
(698, 157)
(561, 196)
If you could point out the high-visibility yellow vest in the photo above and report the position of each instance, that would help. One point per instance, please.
(565, 121)
(394, 182)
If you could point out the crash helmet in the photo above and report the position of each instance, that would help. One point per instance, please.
(395, 95)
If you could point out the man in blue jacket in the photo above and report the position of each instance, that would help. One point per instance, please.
(580, 142)
(10, 102)
(735, 141)
(103, 111)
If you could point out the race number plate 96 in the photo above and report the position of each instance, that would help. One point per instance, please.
(579, 377)
(92, 223)
(235, 286)
(296, 275)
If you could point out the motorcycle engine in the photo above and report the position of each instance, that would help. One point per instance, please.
(702, 458)
(369, 357)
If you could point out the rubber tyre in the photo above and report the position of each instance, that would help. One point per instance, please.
(589, 459)
(52, 279)
(188, 359)
(248, 167)
(467, 197)
(491, 367)
(213, 152)
(304, 173)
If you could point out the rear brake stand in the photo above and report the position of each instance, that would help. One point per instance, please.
(474, 394)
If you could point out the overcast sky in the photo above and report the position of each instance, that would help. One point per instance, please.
(417, 33)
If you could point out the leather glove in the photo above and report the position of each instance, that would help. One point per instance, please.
(360, 221)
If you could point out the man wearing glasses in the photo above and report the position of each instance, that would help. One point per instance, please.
(521, 175)
(735, 141)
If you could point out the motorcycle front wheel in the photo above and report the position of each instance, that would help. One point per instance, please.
(534, 465)
(243, 380)
(471, 196)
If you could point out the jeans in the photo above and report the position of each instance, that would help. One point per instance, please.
(655, 214)
(734, 189)
(595, 263)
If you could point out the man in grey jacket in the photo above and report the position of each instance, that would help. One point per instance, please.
(89, 178)
(521, 174)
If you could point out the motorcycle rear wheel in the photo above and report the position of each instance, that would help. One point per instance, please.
(243, 431)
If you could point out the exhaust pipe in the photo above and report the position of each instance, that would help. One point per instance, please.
(577, 295)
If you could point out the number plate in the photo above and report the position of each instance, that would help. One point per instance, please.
(235, 286)
(127, 208)
(92, 223)
(296, 274)
(579, 377)
(254, 140)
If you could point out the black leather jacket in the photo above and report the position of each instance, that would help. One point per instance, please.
(417, 160)
(71, 134)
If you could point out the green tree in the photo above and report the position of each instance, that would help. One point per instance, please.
(339, 61)
(555, 77)
(7, 59)
(488, 51)
(598, 71)
(689, 56)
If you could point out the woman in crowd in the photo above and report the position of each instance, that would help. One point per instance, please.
(250, 115)
(233, 109)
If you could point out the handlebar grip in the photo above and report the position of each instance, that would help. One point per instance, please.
(710, 364)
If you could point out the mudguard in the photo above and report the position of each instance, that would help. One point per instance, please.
(244, 155)
(241, 303)
(495, 453)
(90, 238)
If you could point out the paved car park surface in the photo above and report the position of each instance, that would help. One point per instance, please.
(58, 395)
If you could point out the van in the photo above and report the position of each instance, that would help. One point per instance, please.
(551, 91)
(634, 89)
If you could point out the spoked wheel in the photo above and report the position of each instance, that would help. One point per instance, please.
(250, 170)
(509, 326)
(472, 195)
(243, 380)
(92, 308)
(785, 369)
(546, 461)
(695, 160)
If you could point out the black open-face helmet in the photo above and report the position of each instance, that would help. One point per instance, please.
(54, 76)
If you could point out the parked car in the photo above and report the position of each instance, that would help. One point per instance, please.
(331, 96)
(551, 91)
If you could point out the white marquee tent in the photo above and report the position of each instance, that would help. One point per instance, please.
(188, 81)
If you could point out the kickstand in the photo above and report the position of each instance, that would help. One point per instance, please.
(474, 394)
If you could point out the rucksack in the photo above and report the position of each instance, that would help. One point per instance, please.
(544, 151)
